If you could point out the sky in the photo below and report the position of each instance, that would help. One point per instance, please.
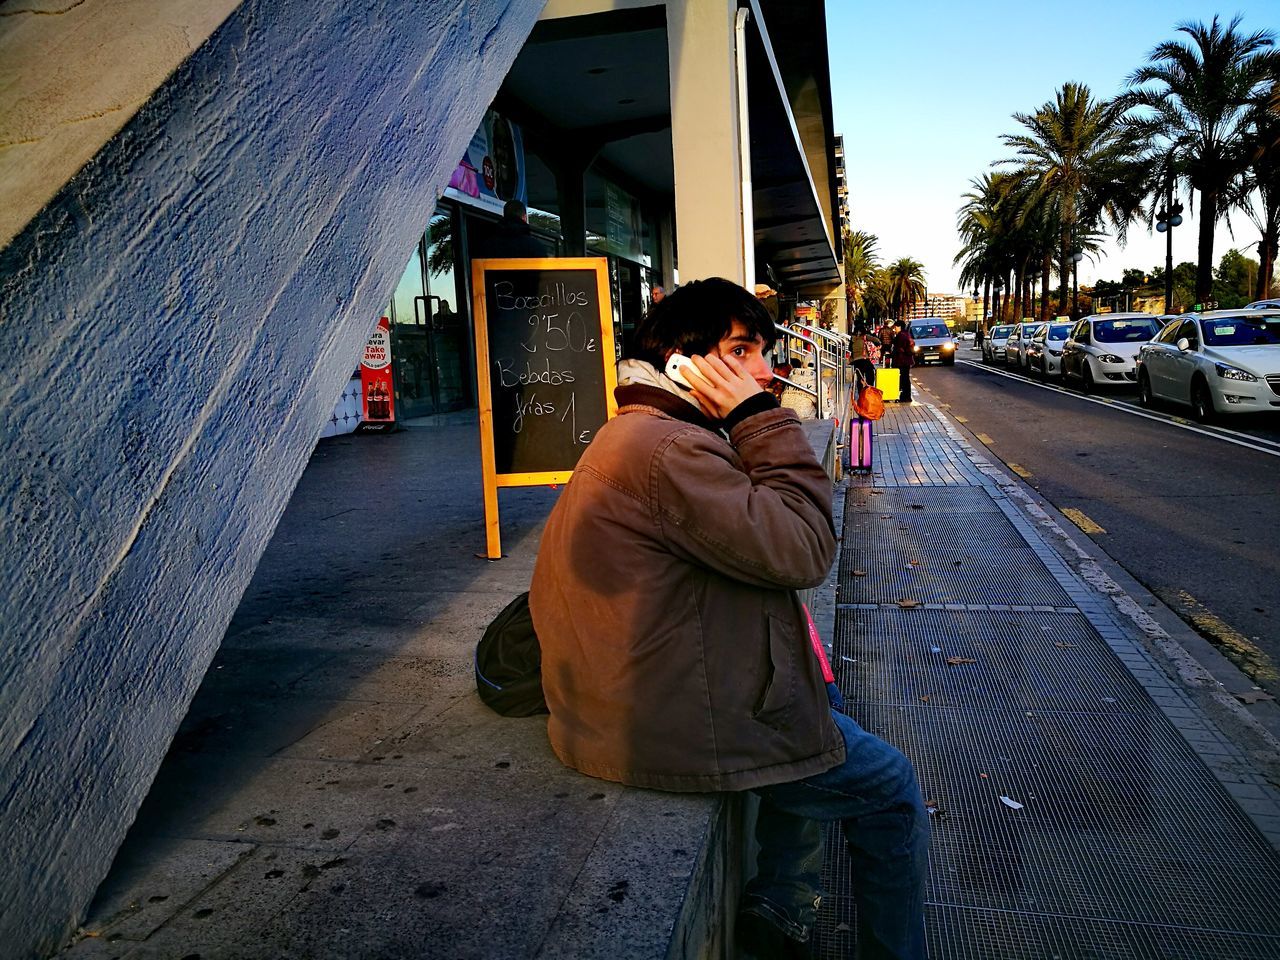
(922, 91)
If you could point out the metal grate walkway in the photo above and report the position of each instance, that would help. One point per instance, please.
(1126, 845)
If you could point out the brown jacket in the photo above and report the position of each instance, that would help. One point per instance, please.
(675, 652)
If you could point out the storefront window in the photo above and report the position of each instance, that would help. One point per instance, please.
(430, 349)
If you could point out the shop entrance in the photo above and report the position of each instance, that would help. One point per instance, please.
(429, 344)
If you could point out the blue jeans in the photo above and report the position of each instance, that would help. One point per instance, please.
(875, 797)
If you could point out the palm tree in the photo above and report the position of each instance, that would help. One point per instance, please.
(979, 227)
(1259, 194)
(1078, 161)
(875, 297)
(860, 263)
(999, 241)
(1201, 96)
(906, 284)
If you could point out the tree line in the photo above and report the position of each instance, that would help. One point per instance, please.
(1200, 119)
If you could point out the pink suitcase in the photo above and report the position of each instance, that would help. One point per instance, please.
(860, 445)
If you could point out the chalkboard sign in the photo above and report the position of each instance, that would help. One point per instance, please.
(545, 368)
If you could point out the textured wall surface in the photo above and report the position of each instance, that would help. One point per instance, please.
(72, 73)
(176, 324)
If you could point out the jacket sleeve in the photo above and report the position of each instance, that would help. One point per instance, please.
(758, 511)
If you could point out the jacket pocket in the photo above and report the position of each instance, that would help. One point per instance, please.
(777, 702)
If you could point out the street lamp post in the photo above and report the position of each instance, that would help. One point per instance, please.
(1168, 217)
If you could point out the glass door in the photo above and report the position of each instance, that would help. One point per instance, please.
(412, 349)
(448, 313)
(430, 348)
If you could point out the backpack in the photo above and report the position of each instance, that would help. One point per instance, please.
(509, 663)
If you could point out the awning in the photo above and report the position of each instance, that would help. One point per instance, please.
(791, 230)
(602, 80)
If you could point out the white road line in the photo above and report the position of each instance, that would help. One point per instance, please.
(1253, 443)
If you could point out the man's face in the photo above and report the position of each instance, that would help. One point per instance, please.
(658, 294)
(748, 350)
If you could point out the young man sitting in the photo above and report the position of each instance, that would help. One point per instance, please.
(675, 652)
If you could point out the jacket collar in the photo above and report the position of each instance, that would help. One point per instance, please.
(644, 395)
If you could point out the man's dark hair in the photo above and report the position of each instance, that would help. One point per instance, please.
(696, 317)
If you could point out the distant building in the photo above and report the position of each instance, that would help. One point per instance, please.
(946, 305)
(842, 184)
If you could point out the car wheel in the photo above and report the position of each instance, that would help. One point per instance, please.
(1086, 378)
(950, 362)
(1145, 396)
(1202, 401)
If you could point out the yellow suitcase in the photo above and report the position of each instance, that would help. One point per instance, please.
(887, 380)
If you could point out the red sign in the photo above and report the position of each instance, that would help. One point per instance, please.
(375, 377)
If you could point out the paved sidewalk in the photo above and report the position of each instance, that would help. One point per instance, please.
(1085, 805)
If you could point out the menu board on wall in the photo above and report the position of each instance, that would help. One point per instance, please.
(545, 369)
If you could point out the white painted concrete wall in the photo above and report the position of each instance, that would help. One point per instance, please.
(176, 324)
(72, 74)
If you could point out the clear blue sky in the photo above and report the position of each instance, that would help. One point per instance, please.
(923, 90)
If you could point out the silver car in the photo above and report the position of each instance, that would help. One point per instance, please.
(1223, 361)
(1102, 348)
(993, 345)
(1044, 353)
(1015, 348)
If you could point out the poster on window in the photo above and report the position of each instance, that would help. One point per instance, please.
(492, 168)
(375, 381)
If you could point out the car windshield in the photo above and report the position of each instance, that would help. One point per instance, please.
(1000, 333)
(1124, 331)
(1059, 331)
(1241, 331)
(926, 330)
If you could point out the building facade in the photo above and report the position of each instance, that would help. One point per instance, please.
(949, 306)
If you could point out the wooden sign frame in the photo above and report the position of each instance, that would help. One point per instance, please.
(488, 457)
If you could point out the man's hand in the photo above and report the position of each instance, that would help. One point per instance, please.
(722, 384)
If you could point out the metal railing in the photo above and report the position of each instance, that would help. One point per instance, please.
(830, 352)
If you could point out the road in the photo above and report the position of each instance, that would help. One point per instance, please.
(1192, 513)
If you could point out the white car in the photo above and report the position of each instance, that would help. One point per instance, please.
(1044, 354)
(1015, 348)
(1223, 361)
(1102, 348)
(1264, 305)
(993, 345)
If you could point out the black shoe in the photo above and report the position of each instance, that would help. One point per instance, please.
(758, 939)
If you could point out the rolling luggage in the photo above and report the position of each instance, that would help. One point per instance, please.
(860, 445)
(888, 379)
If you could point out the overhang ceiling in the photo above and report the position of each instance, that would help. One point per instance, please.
(601, 83)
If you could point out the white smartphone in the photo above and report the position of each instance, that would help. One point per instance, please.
(676, 367)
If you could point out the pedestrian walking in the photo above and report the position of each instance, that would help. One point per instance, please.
(884, 333)
(675, 650)
(903, 358)
(864, 351)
